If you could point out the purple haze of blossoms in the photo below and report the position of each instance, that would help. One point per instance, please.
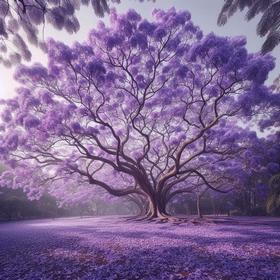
(141, 108)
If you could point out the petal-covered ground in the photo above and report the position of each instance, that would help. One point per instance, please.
(113, 248)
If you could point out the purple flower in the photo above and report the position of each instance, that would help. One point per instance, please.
(30, 122)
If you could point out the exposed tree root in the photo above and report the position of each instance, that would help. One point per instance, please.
(164, 218)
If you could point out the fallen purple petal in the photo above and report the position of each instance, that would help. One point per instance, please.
(113, 248)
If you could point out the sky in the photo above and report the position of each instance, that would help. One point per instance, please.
(204, 15)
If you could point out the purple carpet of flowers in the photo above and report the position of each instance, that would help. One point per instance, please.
(113, 248)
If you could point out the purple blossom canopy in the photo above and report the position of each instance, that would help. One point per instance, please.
(146, 108)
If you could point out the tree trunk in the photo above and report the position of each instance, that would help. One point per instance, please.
(198, 206)
(156, 208)
(142, 210)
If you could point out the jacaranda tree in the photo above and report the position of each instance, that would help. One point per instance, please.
(141, 108)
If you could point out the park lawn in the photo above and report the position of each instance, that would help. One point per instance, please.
(107, 248)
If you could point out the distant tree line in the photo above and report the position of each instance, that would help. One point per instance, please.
(14, 205)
